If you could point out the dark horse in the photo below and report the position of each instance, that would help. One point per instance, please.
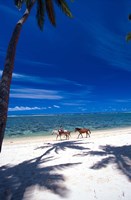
(83, 130)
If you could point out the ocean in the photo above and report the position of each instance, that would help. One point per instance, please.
(25, 126)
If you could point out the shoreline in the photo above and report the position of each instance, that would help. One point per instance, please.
(97, 167)
(47, 138)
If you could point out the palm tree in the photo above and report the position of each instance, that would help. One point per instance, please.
(42, 7)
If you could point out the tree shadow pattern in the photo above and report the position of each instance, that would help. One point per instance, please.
(62, 146)
(16, 180)
(119, 155)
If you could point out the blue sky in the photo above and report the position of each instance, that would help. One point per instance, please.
(81, 65)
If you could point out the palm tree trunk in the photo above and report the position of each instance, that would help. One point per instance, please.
(7, 73)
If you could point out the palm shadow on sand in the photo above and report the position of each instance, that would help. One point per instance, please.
(18, 182)
(118, 155)
(62, 146)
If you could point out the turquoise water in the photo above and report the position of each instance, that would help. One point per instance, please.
(19, 126)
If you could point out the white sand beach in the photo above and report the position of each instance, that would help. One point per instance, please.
(92, 168)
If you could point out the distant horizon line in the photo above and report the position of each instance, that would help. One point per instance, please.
(73, 113)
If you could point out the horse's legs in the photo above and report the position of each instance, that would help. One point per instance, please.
(89, 133)
(57, 137)
(79, 135)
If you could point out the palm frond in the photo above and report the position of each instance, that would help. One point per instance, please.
(18, 3)
(63, 5)
(128, 37)
(50, 11)
(40, 13)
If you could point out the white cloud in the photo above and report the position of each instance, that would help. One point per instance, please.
(49, 81)
(29, 93)
(22, 108)
(22, 77)
(27, 108)
(15, 75)
(55, 106)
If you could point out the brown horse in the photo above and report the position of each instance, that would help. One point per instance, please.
(83, 130)
(59, 133)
